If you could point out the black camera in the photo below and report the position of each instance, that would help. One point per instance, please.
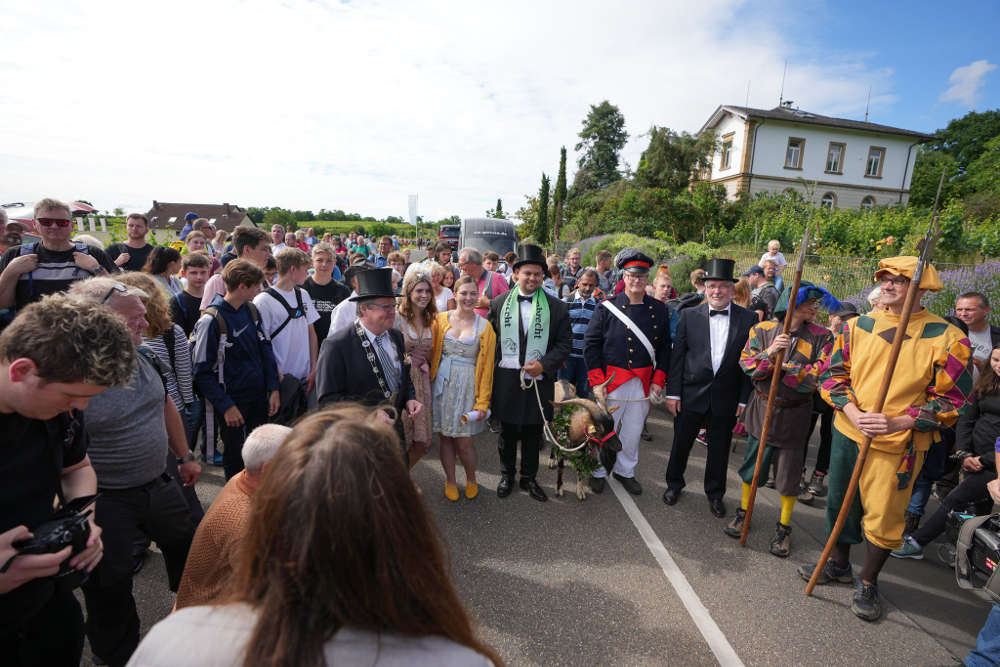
(67, 527)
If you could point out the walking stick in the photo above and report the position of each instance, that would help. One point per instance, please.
(773, 392)
(897, 343)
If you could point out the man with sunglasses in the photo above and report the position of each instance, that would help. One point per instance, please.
(31, 271)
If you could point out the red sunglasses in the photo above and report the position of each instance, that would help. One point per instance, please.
(48, 222)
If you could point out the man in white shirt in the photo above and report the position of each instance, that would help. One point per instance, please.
(973, 308)
(287, 315)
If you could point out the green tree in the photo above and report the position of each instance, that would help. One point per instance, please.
(602, 138)
(542, 225)
(304, 216)
(279, 216)
(496, 212)
(927, 174)
(559, 196)
(965, 138)
(983, 174)
(672, 159)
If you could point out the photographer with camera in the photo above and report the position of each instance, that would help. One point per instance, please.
(54, 358)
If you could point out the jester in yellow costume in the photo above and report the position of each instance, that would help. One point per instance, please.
(930, 389)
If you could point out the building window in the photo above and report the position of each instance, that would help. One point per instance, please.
(835, 158)
(873, 166)
(868, 203)
(829, 200)
(727, 153)
(793, 154)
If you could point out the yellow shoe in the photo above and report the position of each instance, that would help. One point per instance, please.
(471, 490)
(451, 492)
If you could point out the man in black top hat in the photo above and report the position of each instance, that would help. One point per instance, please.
(533, 337)
(365, 362)
(627, 346)
(706, 386)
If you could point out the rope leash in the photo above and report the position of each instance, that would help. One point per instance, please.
(529, 382)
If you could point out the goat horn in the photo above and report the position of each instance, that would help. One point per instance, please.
(604, 385)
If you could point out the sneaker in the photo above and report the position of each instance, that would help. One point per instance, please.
(910, 549)
(830, 573)
(702, 437)
(816, 486)
(734, 528)
(865, 604)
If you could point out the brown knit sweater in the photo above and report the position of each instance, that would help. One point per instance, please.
(216, 545)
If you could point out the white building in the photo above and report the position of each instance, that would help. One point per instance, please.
(853, 164)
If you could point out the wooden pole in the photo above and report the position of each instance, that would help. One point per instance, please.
(865, 445)
(775, 382)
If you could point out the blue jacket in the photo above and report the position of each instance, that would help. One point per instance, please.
(249, 369)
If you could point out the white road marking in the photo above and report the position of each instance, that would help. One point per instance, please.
(716, 640)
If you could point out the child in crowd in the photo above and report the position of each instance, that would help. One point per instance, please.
(271, 268)
(287, 315)
(234, 363)
(324, 286)
(185, 307)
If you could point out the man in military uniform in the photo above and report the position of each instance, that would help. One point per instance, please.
(628, 340)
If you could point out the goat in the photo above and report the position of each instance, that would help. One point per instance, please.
(589, 423)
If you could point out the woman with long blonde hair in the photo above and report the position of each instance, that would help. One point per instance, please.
(414, 317)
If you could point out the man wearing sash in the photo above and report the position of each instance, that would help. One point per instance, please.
(628, 341)
(365, 362)
(533, 336)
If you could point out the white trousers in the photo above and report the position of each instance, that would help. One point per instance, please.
(629, 418)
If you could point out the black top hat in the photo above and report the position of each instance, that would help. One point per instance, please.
(354, 269)
(720, 269)
(633, 260)
(531, 254)
(374, 284)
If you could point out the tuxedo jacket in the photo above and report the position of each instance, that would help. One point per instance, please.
(510, 403)
(344, 374)
(691, 375)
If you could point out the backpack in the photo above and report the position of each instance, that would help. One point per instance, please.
(32, 249)
(293, 313)
(220, 321)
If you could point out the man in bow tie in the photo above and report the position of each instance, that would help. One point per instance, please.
(706, 386)
(533, 336)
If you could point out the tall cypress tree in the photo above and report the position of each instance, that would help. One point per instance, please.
(499, 212)
(542, 226)
(559, 196)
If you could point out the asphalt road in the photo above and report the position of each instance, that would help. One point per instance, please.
(569, 582)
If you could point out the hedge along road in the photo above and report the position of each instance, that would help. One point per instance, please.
(568, 582)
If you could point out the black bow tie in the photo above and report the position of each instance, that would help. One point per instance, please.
(525, 298)
(717, 312)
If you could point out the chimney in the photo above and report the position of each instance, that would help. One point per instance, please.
(227, 207)
(156, 204)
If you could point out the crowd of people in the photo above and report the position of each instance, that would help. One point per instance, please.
(317, 371)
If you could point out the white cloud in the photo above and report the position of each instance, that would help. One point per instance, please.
(966, 81)
(356, 105)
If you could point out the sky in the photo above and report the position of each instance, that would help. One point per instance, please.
(354, 105)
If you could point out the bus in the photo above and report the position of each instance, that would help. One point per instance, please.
(450, 234)
(485, 234)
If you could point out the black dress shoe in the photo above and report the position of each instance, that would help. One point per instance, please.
(535, 491)
(630, 484)
(505, 487)
(671, 496)
(717, 507)
(597, 484)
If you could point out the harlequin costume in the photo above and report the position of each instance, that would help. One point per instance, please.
(931, 383)
(611, 347)
(792, 409)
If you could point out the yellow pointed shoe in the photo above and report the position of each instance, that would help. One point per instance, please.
(451, 492)
(471, 490)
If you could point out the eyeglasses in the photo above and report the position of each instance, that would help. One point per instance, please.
(48, 222)
(117, 287)
(894, 280)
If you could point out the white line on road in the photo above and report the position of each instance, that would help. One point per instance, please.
(717, 641)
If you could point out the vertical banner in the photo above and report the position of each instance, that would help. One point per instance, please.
(104, 225)
(413, 209)
(79, 225)
(93, 226)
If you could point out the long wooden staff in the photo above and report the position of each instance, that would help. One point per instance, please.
(897, 343)
(775, 381)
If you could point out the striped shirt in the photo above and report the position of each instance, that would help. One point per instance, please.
(179, 381)
(580, 312)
